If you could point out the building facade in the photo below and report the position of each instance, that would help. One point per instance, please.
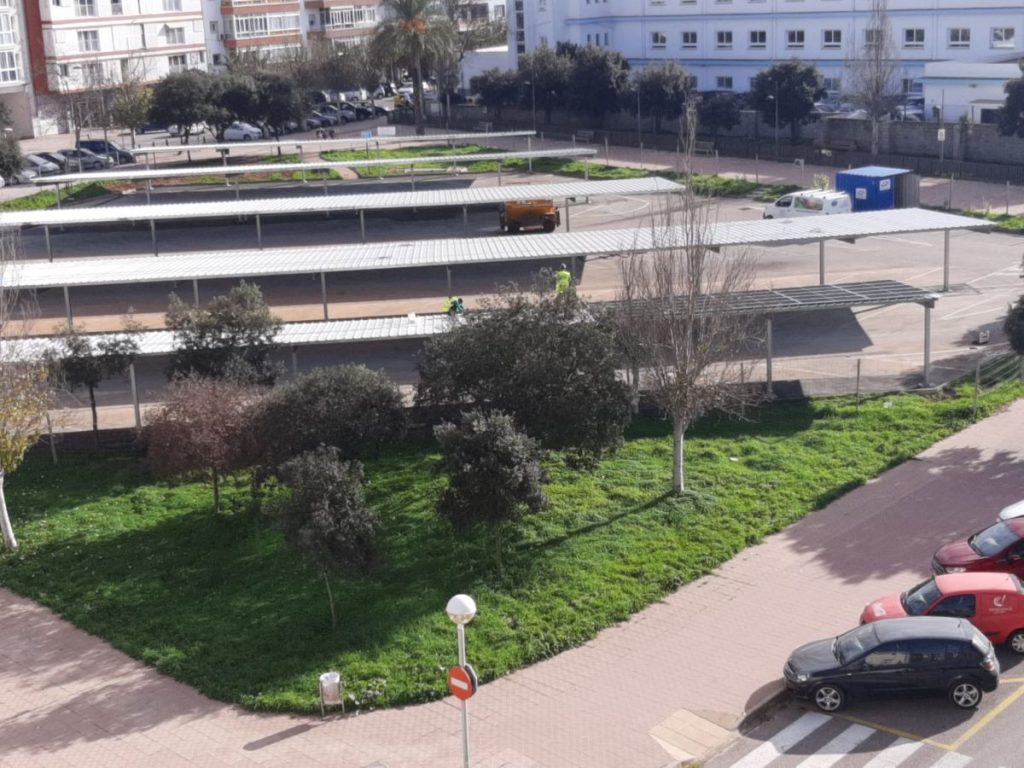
(725, 43)
(15, 76)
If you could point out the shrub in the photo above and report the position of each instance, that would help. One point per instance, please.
(1013, 325)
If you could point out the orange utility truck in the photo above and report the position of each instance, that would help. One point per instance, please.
(516, 215)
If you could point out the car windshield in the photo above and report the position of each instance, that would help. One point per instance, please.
(855, 643)
(916, 600)
(993, 540)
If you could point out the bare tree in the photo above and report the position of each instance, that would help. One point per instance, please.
(674, 320)
(24, 390)
(873, 72)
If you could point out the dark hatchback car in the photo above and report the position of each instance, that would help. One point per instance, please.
(114, 151)
(999, 547)
(921, 653)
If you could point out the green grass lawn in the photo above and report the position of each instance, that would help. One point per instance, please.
(1005, 222)
(48, 197)
(217, 602)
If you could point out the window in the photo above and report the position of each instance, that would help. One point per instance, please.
(887, 656)
(172, 5)
(177, 63)
(92, 73)
(960, 37)
(175, 35)
(499, 11)
(913, 38)
(907, 84)
(795, 38)
(1002, 37)
(8, 30)
(832, 38)
(758, 38)
(689, 39)
(213, 27)
(85, 7)
(9, 67)
(723, 83)
(872, 37)
(657, 2)
(116, 9)
(957, 606)
(724, 39)
(62, 70)
(89, 40)
(832, 84)
(926, 652)
(658, 40)
(126, 70)
(544, 41)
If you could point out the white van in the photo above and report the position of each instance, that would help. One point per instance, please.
(808, 202)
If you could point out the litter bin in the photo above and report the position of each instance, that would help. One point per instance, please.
(331, 686)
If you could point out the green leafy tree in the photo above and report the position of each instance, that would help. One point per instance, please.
(544, 80)
(796, 85)
(75, 362)
(231, 337)
(718, 112)
(202, 428)
(278, 100)
(494, 474)
(350, 408)
(325, 517)
(182, 99)
(11, 160)
(414, 35)
(25, 395)
(663, 90)
(1011, 114)
(538, 359)
(1013, 325)
(497, 88)
(598, 79)
(232, 98)
(130, 108)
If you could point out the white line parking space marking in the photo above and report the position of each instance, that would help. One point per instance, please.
(839, 747)
(783, 741)
(894, 754)
(952, 760)
(894, 239)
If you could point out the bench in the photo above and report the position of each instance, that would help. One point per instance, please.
(704, 148)
(484, 126)
(583, 136)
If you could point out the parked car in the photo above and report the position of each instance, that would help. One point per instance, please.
(239, 131)
(24, 176)
(342, 113)
(41, 165)
(356, 94)
(111, 149)
(923, 654)
(56, 158)
(364, 111)
(326, 118)
(1013, 510)
(999, 547)
(85, 160)
(384, 90)
(313, 121)
(196, 129)
(993, 602)
(809, 202)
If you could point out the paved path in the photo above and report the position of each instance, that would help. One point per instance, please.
(666, 684)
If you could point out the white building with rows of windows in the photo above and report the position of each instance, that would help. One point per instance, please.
(725, 43)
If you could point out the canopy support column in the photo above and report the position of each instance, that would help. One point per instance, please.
(323, 293)
(768, 355)
(259, 232)
(465, 221)
(362, 225)
(57, 188)
(448, 273)
(568, 228)
(67, 307)
(499, 173)
(49, 245)
(945, 260)
(195, 290)
(529, 148)
(295, 361)
(149, 191)
(927, 344)
(135, 396)
(152, 234)
(412, 175)
(821, 262)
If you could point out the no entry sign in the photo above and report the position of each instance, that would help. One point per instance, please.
(462, 682)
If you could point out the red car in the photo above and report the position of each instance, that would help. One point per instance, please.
(993, 602)
(999, 547)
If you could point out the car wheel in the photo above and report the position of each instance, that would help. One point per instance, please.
(829, 698)
(513, 228)
(1016, 641)
(965, 694)
(769, 217)
(549, 226)
(247, 137)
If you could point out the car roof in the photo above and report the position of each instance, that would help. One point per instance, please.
(922, 627)
(978, 581)
(1012, 510)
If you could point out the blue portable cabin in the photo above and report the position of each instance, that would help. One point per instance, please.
(877, 188)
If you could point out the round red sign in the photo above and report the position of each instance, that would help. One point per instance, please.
(462, 682)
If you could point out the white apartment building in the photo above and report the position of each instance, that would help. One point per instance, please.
(15, 87)
(725, 43)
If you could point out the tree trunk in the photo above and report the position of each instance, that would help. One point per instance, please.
(678, 458)
(497, 549)
(216, 490)
(634, 401)
(95, 418)
(875, 127)
(417, 95)
(10, 542)
(330, 599)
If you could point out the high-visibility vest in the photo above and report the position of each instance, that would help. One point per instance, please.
(448, 305)
(563, 279)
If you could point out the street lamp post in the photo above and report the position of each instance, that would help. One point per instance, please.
(461, 609)
(776, 121)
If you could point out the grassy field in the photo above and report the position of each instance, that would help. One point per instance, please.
(48, 197)
(1005, 222)
(217, 602)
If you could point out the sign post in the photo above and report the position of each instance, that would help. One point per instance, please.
(942, 144)
(462, 680)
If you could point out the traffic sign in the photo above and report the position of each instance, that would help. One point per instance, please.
(462, 682)
(366, 134)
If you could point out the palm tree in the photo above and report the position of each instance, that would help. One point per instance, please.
(413, 34)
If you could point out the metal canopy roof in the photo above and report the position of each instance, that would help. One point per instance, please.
(338, 202)
(143, 174)
(844, 295)
(428, 253)
(347, 142)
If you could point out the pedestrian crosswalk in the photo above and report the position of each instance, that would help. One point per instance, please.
(815, 740)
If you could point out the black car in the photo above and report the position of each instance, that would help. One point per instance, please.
(919, 653)
(56, 158)
(363, 111)
(115, 152)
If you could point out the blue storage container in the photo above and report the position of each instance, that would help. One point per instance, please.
(876, 188)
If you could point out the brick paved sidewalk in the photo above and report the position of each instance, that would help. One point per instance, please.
(664, 685)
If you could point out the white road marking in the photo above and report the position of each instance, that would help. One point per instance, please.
(894, 754)
(952, 760)
(839, 747)
(956, 312)
(783, 741)
(1013, 269)
(894, 239)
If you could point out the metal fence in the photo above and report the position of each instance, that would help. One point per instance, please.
(994, 369)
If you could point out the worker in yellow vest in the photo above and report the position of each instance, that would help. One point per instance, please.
(563, 280)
